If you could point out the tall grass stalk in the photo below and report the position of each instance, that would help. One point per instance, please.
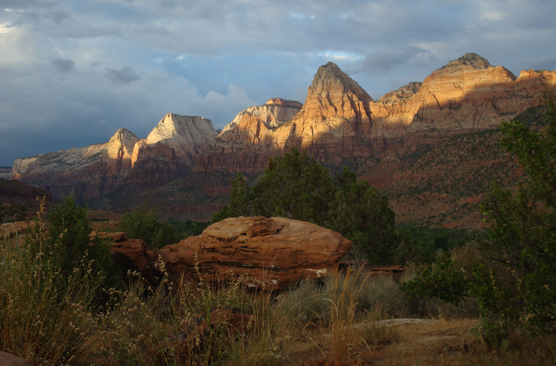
(343, 304)
(45, 315)
(191, 324)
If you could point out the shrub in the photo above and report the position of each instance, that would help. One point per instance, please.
(47, 291)
(143, 223)
(69, 246)
(11, 213)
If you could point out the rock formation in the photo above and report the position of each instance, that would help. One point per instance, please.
(335, 109)
(340, 121)
(97, 170)
(272, 253)
(187, 135)
(339, 124)
(274, 113)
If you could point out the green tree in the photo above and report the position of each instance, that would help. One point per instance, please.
(240, 201)
(143, 223)
(296, 186)
(363, 215)
(69, 246)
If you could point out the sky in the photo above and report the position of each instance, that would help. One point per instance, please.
(72, 72)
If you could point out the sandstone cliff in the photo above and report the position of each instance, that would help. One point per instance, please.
(327, 126)
(187, 135)
(340, 122)
(274, 113)
(97, 170)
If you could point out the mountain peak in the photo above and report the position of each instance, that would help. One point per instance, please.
(188, 135)
(124, 137)
(469, 59)
(330, 77)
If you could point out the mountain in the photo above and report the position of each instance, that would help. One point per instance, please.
(340, 123)
(431, 146)
(274, 113)
(97, 170)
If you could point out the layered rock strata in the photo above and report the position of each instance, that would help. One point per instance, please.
(96, 170)
(274, 113)
(340, 121)
(270, 253)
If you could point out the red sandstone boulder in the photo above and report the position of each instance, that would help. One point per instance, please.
(273, 253)
(131, 254)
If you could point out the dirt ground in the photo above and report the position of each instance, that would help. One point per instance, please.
(427, 342)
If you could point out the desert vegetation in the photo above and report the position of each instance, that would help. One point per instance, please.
(11, 213)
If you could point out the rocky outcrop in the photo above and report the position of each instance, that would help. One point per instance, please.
(340, 121)
(186, 135)
(271, 253)
(329, 125)
(274, 252)
(131, 254)
(87, 172)
(467, 95)
(97, 170)
(402, 93)
(274, 113)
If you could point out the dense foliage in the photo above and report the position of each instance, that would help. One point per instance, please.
(513, 277)
(189, 228)
(69, 245)
(296, 186)
(11, 213)
(143, 223)
(53, 282)
(429, 241)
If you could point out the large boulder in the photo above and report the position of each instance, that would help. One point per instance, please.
(131, 255)
(272, 253)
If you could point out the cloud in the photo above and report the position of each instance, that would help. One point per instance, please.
(63, 65)
(381, 62)
(125, 75)
(215, 58)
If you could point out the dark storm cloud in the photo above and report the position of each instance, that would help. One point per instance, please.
(125, 75)
(63, 65)
(214, 58)
(381, 62)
